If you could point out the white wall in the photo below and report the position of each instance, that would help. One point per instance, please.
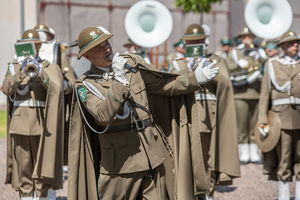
(10, 24)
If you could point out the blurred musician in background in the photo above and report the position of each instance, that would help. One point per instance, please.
(226, 46)
(246, 63)
(136, 49)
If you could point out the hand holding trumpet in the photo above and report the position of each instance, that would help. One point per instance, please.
(30, 67)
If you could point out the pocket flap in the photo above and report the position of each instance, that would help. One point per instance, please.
(113, 141)
(138, 87)
(17, 111)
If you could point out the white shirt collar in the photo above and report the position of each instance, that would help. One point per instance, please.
(291, 59)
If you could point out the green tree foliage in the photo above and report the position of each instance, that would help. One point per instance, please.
(196, 6)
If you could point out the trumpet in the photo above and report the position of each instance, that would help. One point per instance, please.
(250, 44)
(31, 70)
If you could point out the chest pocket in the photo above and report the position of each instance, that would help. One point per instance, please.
(114, 152)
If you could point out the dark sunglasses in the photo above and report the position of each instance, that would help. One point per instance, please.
(291, 43)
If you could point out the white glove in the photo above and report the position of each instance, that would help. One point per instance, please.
(205, 74)
(263, 129)
(254, 54)
(118, 63)
(242, 63)
(191, 63)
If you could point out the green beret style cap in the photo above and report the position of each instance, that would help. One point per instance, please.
(226, 40)
(270, 44)
(179, 43)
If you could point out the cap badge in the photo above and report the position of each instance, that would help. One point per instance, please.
(41, 26)
(30, 35)
(195, 31)
(93, 34)
(246, 29)
(291, 33)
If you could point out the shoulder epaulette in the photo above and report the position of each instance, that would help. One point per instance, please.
(14, 62)
(274, 58)
(183, 58)
(83, 76)
(134, 60)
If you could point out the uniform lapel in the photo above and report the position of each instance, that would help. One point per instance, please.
(296, 69)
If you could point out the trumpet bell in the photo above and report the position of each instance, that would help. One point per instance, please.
(31, 70)
(268, 19)
(148, 23)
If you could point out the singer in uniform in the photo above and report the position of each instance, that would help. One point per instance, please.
(34, 125)
(134, 118)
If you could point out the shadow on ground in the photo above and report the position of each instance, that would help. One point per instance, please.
(222, 189)
(61, 198)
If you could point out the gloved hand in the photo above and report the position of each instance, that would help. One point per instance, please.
(242, 63)
(263, 129)
(205, 74)
(254, 54)
(191, 63)
(118, 63)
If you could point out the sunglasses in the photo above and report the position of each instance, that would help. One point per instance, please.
(291, 43)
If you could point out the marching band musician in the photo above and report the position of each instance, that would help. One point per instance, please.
(280, 93)
(226, 46)
(271, 48)
(34, 125)
(245, 64)
(122, 114)
(68, 83)
(216, 111)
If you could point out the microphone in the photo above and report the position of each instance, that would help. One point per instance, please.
(127, 66)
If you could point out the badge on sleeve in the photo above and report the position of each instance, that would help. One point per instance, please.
(82, 93)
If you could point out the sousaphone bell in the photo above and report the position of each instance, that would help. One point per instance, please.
(148, 23)
(268, 19)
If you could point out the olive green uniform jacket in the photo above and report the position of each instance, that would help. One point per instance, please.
(176, 122)
(69, 76)
(48, 168)
(288, 114)
(219, 119)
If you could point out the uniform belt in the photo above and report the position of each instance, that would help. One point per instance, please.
(291, 100)
(203, 96)
(238, 78)
(138, 125)
(29, 103)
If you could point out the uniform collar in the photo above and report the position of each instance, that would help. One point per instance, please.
(99, 70)
(291, 59)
